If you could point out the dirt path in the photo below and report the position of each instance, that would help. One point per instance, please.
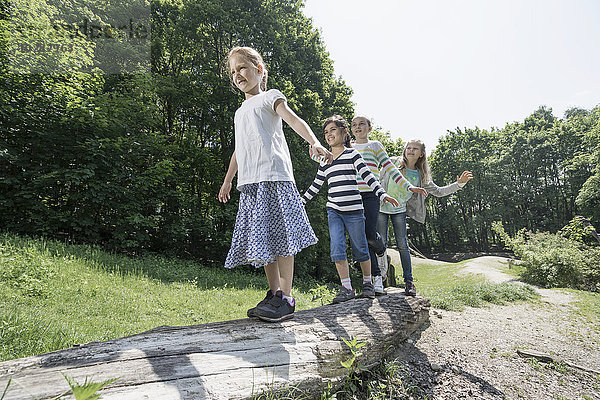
(473, 354)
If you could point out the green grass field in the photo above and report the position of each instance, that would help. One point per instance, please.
(53, 295)
(451, 291)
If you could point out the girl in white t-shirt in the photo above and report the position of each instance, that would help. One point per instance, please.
(271, 225)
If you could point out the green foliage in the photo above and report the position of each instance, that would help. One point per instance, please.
(87, 390)
(133, 162)
(551, 260)
(392, 147)
(352, 364)
(6, 389)
(323, 293)
(580, 230)
(527, 174)
(388, 380)
(290, 393)
(326, 394)
(589, 198)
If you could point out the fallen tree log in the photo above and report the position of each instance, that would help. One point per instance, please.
(224, 360)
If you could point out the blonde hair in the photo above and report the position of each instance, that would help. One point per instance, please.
(254, 58)
(421, 165)
(362, 116)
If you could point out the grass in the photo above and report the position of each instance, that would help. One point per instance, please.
(588, 308)
(449, 290)
(53, 295)
(587, 304)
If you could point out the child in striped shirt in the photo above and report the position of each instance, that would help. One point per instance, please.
(344, 205)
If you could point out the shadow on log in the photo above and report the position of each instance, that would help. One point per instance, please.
(225, 360)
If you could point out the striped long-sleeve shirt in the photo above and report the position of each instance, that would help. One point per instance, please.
(378, 162)
(343, 194)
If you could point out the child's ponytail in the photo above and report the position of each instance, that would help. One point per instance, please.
(265, 77)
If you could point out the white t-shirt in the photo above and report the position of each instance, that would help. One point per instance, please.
(261, 150)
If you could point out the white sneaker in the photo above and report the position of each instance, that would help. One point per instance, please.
(378, 286)
(383, 264)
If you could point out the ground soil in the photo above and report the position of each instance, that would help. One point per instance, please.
(473, 354)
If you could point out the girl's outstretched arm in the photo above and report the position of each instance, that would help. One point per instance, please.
(440, 191)
(302, 129)
(226, 186)
(315, 186)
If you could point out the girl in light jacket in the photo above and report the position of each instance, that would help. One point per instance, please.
(413, 165)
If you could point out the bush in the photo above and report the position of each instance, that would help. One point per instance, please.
(552, 260)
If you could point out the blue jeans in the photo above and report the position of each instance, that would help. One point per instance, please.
(354, 224)
(376, 243)
(399, 224)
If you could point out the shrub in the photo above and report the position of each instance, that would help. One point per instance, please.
(552, 260)
(581, 230)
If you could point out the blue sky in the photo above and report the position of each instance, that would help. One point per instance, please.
(421, 67)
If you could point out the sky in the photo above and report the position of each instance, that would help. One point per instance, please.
(419, 68)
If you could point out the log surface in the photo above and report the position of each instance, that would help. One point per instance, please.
(225, 360)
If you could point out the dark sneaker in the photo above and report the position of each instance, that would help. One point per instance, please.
(344, 295)
(252, 312)
(410, 289)
(378, 286)
(368, 290)
(275, 309)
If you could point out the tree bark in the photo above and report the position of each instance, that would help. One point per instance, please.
(225, 360)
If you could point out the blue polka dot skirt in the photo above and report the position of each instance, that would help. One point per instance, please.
(271, 221)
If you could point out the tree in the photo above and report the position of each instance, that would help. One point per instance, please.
(133, 161)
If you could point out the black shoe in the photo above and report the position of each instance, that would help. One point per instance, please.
(344, 295)
(252, 312)
(368, 290)
(275, 309)
(410, 289)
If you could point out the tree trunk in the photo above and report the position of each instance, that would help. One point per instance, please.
(225, 360)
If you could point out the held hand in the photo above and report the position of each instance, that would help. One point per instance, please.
(391, 200)
(465, 177)
(419, 190)
(224, 192)
(318, 150)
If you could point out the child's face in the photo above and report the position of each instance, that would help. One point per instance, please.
(334, 135)
(413, 152)
(360, 128)
(245, 75)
